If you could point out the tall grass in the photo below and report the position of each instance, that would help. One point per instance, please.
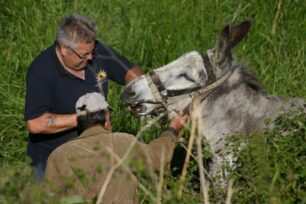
(151, 34)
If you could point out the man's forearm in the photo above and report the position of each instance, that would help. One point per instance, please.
(51, 123)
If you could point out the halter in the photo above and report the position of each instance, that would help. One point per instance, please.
(167, 98)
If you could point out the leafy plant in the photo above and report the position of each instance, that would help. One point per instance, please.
(270, 167)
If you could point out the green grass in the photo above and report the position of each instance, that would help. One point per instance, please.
(151, 34)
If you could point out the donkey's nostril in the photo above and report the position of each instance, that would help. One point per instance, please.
(127, 94)
(131, 94)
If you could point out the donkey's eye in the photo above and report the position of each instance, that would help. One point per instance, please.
(185, 76)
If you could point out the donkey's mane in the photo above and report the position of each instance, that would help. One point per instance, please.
(241, 75)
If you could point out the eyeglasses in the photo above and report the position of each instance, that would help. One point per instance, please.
(83, 56)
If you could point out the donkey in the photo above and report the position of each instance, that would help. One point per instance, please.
(229, 96)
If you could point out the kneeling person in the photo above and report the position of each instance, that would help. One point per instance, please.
(84, 165)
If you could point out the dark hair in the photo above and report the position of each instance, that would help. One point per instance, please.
(91, 119)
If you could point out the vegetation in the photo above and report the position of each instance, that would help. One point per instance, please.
(271, 168)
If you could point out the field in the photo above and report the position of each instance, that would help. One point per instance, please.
(152, 34)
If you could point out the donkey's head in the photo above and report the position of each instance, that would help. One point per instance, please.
(171, 86)
(148, 93)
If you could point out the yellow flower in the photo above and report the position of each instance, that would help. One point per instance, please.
(101, 75)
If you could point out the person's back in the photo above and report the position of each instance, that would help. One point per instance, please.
(84, 165)
(86, 161)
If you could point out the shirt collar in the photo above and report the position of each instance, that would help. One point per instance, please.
(95, 130)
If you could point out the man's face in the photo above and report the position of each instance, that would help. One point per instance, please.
(77, 58)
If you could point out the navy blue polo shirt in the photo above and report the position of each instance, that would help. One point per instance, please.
(50, 88)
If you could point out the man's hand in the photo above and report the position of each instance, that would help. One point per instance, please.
(178, 122)
(132, 74)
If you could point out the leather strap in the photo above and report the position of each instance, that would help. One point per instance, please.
(209, 69)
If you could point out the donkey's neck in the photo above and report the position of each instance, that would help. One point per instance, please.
(238, 110)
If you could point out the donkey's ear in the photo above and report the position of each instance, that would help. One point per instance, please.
(230, 36)
(239, 31)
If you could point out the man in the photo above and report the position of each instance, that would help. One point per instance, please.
(75, 64)
(92, 165)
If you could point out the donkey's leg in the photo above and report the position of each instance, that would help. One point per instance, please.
(222, 159)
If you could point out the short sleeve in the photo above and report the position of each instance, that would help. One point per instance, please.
(38, 93)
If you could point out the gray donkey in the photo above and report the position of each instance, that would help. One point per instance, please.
(237, 104)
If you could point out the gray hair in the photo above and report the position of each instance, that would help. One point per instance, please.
(75, 28)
